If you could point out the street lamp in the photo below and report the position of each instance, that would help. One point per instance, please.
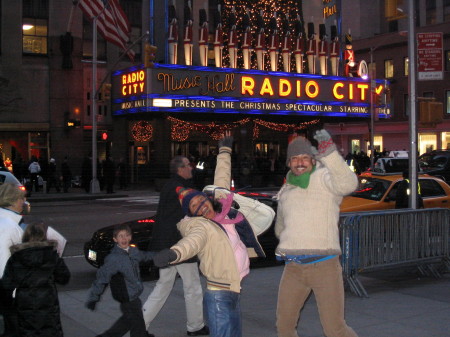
(372, 110)
(412, 105)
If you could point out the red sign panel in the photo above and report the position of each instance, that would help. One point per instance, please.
(430, 56)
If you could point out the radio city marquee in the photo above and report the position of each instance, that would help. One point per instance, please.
(202, 89)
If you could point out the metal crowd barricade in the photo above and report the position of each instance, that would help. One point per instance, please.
(385, 239)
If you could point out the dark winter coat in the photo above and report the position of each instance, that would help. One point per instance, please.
(33, 269)
(121, 271)
(165, 232)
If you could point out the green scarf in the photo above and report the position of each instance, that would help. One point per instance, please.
(302, 180)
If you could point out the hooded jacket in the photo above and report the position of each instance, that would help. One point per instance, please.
(33, 269)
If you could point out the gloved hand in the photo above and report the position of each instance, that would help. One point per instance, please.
(326, 144)
(226, 141)
(91, 305)
(164, 257)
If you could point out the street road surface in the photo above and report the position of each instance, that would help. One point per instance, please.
(78, 219)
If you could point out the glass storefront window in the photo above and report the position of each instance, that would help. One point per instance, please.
(38, 144)
(445, 140)
(378, 143)
(427, 142)
(356, 146)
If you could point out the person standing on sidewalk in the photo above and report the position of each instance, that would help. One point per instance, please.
(66, 175)
(223, 238)
(52, 176)
(307, 227)
(34, 168)
(165, 234)
(11, 206)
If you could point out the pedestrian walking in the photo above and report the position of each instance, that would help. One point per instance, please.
(307, 227)
(109, 174)
(52, 176)
(219, 235)
(86, 173)
(122, 172)
(32, 271)
(34, 169)
(66, 175)
(164, 235)
(121, 272)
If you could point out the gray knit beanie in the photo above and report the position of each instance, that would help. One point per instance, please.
(298, 146)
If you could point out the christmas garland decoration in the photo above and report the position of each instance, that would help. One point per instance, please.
(142, 131)
(180, 130)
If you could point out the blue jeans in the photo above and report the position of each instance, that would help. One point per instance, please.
(223, 309)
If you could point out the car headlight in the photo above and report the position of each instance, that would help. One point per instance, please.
(92, 255)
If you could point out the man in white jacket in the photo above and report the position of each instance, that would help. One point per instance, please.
(307, 226)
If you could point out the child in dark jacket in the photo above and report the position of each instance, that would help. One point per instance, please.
(121, 271)
(32, 270)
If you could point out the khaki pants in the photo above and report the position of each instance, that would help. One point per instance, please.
(325, 280)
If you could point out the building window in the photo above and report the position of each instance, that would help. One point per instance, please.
(431, 12)
(38, 144)
(427, 142)
(388, 68)
(378, 143)
(447, 102)
(446, 4)
(406, 66)
(87, 42)
(133, 11)
(445, 140)
(35, 27)
(355, 146)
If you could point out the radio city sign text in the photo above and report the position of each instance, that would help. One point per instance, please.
(242, 90)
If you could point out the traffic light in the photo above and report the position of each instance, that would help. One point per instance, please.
(102, 135)
(149, 55)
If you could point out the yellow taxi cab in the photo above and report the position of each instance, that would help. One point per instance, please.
(378, 192)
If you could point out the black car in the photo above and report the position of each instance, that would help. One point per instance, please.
(436, 163)
(96, 249)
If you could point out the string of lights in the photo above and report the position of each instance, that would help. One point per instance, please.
(142, 131)
(282, 8)
(180, 130)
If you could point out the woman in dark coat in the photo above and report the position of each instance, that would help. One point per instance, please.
(32, 270)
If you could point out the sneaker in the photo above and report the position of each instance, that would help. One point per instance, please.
(202, 332)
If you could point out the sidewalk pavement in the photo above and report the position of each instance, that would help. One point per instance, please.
(79, 194)
(405, 306)
(400, 304)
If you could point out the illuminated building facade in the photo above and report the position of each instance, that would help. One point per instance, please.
(46, 90)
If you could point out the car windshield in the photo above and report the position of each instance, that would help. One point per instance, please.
(430, 162)
(371, 188)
